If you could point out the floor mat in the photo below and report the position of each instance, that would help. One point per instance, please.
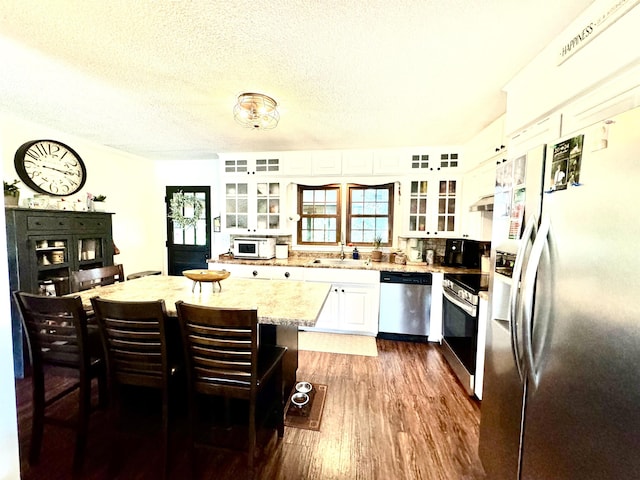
(338, 343)
(308, 416)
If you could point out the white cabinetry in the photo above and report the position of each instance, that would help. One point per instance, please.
(483, 319)
(435, 321)
(349, 308)
(478, 183)
(430, 206)
(357, 162)
(418, 160)
(486, 144)
(326, 162)
(254, 206)
(265, 272)
(252, 164)
(353, 303)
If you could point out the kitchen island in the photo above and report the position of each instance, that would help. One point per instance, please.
(282, 306)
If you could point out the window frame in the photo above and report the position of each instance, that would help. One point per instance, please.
(348, 214)
(337, 216)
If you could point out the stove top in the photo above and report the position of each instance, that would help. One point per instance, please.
(472, 282)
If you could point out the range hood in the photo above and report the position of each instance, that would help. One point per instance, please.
(485, 204)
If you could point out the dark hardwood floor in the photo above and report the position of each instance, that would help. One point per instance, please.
(401, 415)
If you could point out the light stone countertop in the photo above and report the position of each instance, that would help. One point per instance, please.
(307, 262)
(279, 302)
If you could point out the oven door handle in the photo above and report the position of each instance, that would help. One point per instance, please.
(469, 310)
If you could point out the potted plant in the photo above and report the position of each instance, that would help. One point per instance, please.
(99, 204)
(376, 253)
(11, 193)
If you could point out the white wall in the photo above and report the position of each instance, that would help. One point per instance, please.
(200, 173)
(127, 181)
(9, 454)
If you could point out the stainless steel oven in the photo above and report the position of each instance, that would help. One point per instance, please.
(460, 324)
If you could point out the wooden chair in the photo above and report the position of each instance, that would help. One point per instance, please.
(93, 277)
(222, 359)
(136, 352)
(57, 336)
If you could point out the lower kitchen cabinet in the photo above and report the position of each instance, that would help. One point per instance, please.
(352, 305)
(351, 308)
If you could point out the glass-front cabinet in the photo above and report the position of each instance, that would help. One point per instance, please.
(44, 247)
(253, 206)
(432, 207)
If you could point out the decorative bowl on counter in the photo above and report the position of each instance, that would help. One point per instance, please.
(299, 399)
(199, 276)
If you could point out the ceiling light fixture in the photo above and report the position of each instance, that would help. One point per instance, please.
(256, 111)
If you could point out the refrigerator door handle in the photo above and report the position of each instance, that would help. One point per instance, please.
(527, 301)
(514, 320)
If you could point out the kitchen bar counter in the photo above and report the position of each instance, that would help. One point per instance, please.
(307, 262)
(283, 306)
(279, 302)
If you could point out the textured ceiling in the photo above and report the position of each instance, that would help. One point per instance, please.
(159, 78)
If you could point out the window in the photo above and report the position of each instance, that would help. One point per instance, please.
(320, 219)
(370, 213)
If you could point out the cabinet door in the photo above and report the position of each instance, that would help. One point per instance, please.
(356, 312)
(326, 162)
(447, 211)
(329, 317)
(268, 206)
(52, 260)
(357, 162)
(236, 218)
(419, 206)
(432, 207)
(254, 206)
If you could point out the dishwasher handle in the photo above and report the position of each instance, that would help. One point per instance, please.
(409, 278)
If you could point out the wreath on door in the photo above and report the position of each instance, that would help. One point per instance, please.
(177, 206)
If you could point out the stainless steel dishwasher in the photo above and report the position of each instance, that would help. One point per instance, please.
(405, 306)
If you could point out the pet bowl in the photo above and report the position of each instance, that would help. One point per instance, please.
(300, 399)
(303, 387)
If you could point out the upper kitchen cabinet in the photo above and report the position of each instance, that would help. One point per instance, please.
(296, 164)
(477, 207)
(420, 160)
(250, 164)
(430, 206)
(487, 144)
(538, 133)
(255, 206)
(327, 163)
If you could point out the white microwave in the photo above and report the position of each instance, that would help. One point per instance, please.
(255, 248)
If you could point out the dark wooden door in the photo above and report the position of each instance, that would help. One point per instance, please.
(189, 247)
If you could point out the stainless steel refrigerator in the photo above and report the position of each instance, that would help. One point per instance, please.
(562, 371)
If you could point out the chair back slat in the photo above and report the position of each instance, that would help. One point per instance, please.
(95, 277)
(134, 333)
(55, 329)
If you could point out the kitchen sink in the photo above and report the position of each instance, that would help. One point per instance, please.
(336, 261)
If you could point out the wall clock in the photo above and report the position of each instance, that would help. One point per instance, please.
(51, 167)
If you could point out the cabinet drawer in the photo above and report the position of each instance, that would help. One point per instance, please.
(41, 222)
(90, 224)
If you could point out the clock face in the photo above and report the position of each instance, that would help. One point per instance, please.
(50, 167)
